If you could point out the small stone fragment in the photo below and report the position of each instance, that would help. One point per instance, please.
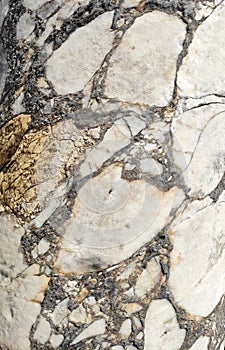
(148, 278)
(161, 327)
(43, 331)
(125, 329)
(25, 26)
(132, 308)
(56, 340)
(43, 246)
(96, 328)
(149, 165)
(78, 315)
(60, 313)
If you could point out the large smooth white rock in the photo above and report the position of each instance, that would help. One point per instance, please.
(161, 327)
(203, 69)
(74, 63)
(143, 67)
(198, 257)
(199, 148)
(110, 220)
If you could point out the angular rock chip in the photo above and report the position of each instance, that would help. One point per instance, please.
(202, 71)
(161, 327)
(96, 328)
(198, 257)
(143, 67)
(110, 220)
(74, 63)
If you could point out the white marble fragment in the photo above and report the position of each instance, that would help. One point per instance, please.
(56, 340)
(43, 246)
(60, 312)
(74, 63)
(143, 67)
(125, 329)
(33, 4)
(198, 257)
(25, 26)
(202, 71)
(78, 315)
(200, 344)
(150, 165)
(96, 328)
(148, 278)
(43, 331)
(111, 219)
(161, 327)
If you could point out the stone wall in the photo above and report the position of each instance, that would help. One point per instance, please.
(112, 159)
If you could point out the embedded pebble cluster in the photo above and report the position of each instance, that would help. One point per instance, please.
(112, 184)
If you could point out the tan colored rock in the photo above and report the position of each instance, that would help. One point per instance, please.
(11, 135)
(143, 68)
(161, 327)
(74, 63)
(131, 308)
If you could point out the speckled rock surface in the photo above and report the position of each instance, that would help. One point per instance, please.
(112, 185)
